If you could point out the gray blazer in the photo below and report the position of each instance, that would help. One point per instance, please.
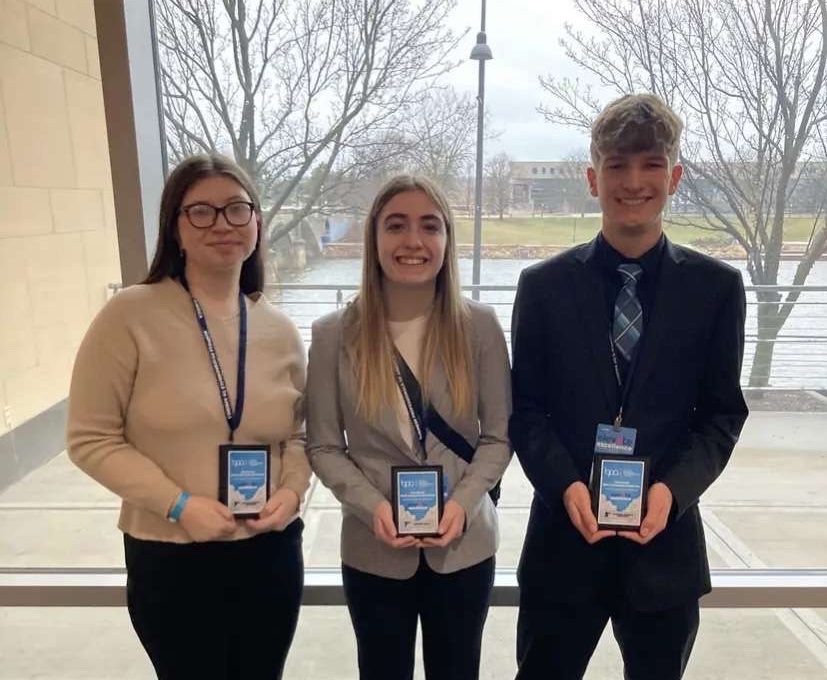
(354, 457)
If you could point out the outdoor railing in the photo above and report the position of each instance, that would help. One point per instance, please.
(800, 349)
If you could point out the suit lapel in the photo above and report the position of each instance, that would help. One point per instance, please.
(591, 306)
(660, 319)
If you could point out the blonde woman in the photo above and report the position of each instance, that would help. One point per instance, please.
(409, 317)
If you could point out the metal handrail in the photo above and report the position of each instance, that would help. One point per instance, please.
(513, 288)
(801, 353)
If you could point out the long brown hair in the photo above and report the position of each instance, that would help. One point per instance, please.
(446, 335)
(169, 259)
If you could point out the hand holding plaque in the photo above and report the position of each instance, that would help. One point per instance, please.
(578, 505)
(384, 528)
(279, 511)
(659, 506)
(206, 519)
(451, 526)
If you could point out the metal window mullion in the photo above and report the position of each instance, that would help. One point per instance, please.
(731, 589)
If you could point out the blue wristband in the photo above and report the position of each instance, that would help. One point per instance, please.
(175, 513)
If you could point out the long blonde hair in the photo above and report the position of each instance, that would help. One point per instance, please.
(446, 336)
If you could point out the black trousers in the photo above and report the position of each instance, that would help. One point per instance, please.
(219, 610)
(556, 640)
(451, 607)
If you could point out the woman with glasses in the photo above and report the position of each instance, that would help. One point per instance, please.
(412, 375)
(186, 401)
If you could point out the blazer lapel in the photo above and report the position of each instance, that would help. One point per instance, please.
(660, 319)
(591, 307)
(438, 389)
(389, 426)
(386, 428)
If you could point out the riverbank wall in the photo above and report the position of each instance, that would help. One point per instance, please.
(789, 251)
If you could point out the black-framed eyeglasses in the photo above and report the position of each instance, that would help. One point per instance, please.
(205, 215)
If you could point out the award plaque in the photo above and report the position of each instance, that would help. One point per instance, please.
(244, 478)
(619, 486)
(417, 499)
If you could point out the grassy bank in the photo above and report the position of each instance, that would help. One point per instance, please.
(561, 230)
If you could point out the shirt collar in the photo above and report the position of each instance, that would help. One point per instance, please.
(610, 258)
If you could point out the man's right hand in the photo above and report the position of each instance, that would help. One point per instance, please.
(205, 519)
(579, 506)
(385, 530)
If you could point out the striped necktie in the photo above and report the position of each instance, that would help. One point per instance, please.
(628, 315)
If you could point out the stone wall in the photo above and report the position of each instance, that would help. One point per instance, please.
(58, 243)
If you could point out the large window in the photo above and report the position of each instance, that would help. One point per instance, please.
(286, 89)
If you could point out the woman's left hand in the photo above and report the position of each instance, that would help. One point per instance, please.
(277, 514)
(450, 527)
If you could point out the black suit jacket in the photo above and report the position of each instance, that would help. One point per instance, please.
(685, 401)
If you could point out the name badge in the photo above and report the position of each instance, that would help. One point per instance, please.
(614, 441)
(619, 486)
(244, 478)
(417, 499)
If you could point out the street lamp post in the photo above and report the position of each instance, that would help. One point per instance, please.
(481, 53)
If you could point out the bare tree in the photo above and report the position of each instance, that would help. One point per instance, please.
(498, 184)
(749, 77)
(436, 138)
(295, 89)
(442, 134)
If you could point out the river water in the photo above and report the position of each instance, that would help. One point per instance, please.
(800, 359)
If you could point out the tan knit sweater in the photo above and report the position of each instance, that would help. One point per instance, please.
(145, 415)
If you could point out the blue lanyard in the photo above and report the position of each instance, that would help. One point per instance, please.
(233, 416)
(624, 385)
(413, 402)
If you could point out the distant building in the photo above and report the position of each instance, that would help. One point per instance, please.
(543, 187)
(551, 187)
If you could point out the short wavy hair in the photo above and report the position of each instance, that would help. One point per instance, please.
(635, 123)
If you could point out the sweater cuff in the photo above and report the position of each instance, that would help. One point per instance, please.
(166, 499)
(297, 484)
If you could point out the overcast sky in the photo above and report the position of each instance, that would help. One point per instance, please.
(523, 36)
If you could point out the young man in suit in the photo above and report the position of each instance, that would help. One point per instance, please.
(635, 331)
